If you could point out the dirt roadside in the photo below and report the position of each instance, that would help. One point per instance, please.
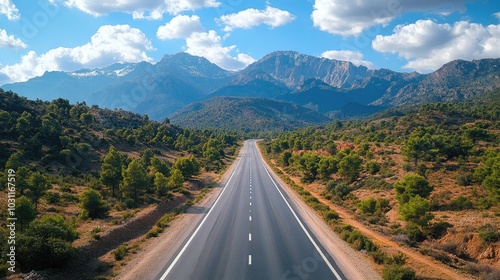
(352, 263)
(425, 266)
(153, 258)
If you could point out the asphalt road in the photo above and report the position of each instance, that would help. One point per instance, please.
(251, 232)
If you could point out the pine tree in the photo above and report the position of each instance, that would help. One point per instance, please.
(135, 181)
(111, 170)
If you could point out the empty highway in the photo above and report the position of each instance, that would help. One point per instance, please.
(251, 232)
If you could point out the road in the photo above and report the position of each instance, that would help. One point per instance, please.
(251, 232)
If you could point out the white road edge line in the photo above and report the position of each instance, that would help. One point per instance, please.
(164, 276)
(301, 225)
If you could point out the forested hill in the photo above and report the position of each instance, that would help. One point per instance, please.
(426, 176)
(62, 138)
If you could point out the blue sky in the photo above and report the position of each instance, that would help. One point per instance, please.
(402, 35)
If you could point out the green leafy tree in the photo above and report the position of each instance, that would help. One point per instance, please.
(418, 146)
(37, 185)
(161, 184)
(111, 170)
(91, 201)
(135, 181)
(46, 243)
(176, 179)
(350, 167)
(410, 186)
(285, 158)
(367, 206)
(25, 212)
(188, 166)
(23, 123)
(160, 166)
(326, 167)
(416, 211)
(5, 121)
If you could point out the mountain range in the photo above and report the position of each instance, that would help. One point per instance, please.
(286, 79)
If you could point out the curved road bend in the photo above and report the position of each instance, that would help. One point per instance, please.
(251, 232)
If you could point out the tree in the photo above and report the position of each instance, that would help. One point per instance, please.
(37, 185)
(161, 184)
(5, 120)
(188, 166)
(160, 166)
(410, 186)
(135, 181)
(111, 170)
(91, 201)
(285, 158)
(46, 243)
(418, 146)
(23, 123)
(416, 210)
(176, 179)
(25, 213)
(350, 167)
(326, 167)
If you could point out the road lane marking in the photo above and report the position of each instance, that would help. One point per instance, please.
(249, 259)
(164, 276)
(250, 218)
(300, 223)
(250, 204)
(249, 237)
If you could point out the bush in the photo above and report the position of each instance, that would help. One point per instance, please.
(340, 190)
(154, 232)
(46, 243)
(461, 203)
(120, 252)
(331, 215)
(367, 206)
(52, 197)
(397, 272)
(373, 167)
(92, 202)
(488, 234)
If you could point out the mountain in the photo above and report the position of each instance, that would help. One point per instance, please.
(154, 89)
(246, 114)
(455, 81)
(292, 68)
(253, 83)
(327, 86)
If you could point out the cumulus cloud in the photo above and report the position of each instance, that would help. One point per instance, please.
(427, 45)
(10, 42)
(355, 58)
(8, 9)
(180, 27)
(140, 9)
(251, 17)
(353, 17)
(209, 45)
(110, 44)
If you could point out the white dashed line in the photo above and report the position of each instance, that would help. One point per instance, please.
(250, 218)
(249, 259)
(249, 237)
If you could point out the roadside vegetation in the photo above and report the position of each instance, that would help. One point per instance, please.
(428, 177)
(81, 170)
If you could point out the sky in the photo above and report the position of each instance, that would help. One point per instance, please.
(402, 35)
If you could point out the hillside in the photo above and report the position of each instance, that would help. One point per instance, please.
(246, 115)
(82, 173)
(421, 181)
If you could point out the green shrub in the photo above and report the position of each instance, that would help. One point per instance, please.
(367, 206)
(154, 232)
(397, 272)
(331, 215)
(488, 234)
(120, 252)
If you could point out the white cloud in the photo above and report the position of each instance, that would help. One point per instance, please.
(180, 27)
(9, 41)
(209, 45)
(355, 58)
(427, 45)
(140, 9)
(251, 17)
(110, 44)
(353, 17)
(497, 15)
(8, 9)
